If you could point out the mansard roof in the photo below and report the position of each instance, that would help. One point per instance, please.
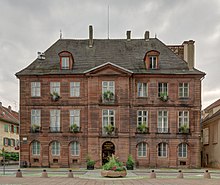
(128, 54)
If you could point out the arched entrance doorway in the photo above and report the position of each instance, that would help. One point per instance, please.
(108, 148)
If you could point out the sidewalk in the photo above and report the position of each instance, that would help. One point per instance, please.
(93, 177)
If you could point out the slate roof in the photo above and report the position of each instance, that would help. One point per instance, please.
(124, 53)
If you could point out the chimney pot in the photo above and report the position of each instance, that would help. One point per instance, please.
(90, 36)
(9, 108)
(128, 35)
(147, 35)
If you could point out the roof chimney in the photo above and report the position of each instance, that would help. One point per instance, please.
(189, 53)
(9, 108)
(90, 36)
(129, 35)
(146, 35)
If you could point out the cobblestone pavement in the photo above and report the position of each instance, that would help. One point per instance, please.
(9, 180)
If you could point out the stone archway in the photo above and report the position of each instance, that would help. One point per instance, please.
(108, 148)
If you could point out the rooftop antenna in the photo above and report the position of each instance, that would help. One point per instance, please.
(155, 35)
(61, 35)
(108, 22)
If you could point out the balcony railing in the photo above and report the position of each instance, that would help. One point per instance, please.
(35, 129)
(55, 129)
(184, 131)
(162, 130)
(75, 130)
(114, 133)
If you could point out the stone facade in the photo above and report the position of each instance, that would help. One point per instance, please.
(125, 106)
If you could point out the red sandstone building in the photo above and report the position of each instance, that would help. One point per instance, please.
(101, 96)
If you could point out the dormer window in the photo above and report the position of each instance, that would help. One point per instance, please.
(152, 59)
(66, 60)
(153, 62)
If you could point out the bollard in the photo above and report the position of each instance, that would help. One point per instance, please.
(70, 174)
(207, 175)
(152, 174)
(19, 173)
(44, 174)
(180, 175)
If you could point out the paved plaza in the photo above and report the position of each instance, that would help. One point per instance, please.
(84, 177)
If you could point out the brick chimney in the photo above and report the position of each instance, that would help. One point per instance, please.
(189, 56)
(146, 35)
(90, 36)
(128, 35)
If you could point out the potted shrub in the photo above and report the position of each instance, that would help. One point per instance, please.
(184, 129)
(130, 163)
(90, 163)
(109, 129)
(74, 128)
(142, 128)
(113, 168)
(35, 128)
(55, 96)
(163, 96)
(108, 95)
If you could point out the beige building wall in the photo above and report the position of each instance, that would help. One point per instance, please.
(211, 144)
(9, 135)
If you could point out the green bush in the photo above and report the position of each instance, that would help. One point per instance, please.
(14, 156)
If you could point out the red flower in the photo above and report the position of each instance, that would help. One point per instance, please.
(114, 168)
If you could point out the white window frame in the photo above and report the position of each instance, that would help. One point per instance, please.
(55, 148)
(142, 117)
(65, 62)
(183, 90)
(162, 88)
(108, 86)
(55, 120)
(108, 118)
(142, 88)
(183, 118)
(55, 87)
(142, 149)
(153, 62)
(162, 123)
(162, 150)
(36, 117)
(35, 89)
(75, 117)
(182, 150)
(74, 89)
(35, 148)
(75, 148)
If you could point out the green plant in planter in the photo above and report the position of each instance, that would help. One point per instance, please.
(35, 128)
(108, 95)
(143, 128)
(74, 128)
(163, 96)
(90, 163)
(55, 96)
(113, 164)
(184, 128)
(130, 163)
(109, 129)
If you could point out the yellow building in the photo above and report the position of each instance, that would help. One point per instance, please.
(9, 129)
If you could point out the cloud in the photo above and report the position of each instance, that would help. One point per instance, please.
(31, 26)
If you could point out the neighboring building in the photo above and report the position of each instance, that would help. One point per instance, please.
(9, 129)
(210, 139)
(97, 97)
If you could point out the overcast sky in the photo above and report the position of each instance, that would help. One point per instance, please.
(29, 26)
